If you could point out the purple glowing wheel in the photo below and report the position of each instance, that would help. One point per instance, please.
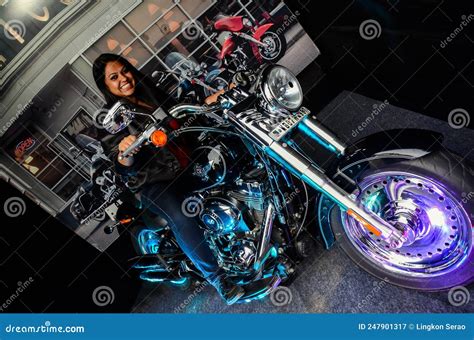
(417, 196)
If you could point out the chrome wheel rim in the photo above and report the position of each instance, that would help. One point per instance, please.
(272, 46)
(440, 236)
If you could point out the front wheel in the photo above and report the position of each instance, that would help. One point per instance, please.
(431, 197)
(275, 46)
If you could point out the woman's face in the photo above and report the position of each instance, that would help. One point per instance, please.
(118, 79)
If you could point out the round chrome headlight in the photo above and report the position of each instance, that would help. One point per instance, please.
(281, 88)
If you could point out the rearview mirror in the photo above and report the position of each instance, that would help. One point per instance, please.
(118, 117)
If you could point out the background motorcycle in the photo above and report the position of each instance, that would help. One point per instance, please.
(196, 81)
(265, 43)
(395, 204)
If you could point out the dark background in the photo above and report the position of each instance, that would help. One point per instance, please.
(405, 66)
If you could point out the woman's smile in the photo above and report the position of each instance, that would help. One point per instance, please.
(119, 79)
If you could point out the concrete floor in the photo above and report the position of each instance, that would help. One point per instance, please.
(327, 281)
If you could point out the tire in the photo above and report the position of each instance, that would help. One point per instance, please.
(277, 43)
(437, 177)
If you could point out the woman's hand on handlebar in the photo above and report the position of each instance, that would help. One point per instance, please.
(124, 145)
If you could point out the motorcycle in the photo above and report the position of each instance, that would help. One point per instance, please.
(196, 81)
(264, 41)
(393, 200)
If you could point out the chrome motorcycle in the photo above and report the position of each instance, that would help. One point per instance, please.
(196, 81)
(397, 202)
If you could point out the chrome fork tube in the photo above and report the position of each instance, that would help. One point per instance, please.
(267, 227)
(313, 176)
(314, 129)
(305, 169)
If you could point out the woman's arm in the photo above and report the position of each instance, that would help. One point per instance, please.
(213, 97)
(123, 145)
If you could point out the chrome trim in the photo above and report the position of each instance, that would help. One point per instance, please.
(313, 176)
(267, 226)
(322, 132)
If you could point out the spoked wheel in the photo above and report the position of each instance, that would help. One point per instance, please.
(425, 196)
(275, 46)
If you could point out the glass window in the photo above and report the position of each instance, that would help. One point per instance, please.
(113, 41)
(54, 172)
(80, 124)
(207, 54)
(68, 185)
(136, 54)
(165, 29)
(146, 13)
(155, 65)
(195, 7)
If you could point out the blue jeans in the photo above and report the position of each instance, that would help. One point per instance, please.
(165, 199)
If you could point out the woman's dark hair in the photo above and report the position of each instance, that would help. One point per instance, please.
(145, 90)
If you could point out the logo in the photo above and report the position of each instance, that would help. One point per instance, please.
(459, 296)
(370, 29)
(103, 295)
(458, 118)
(281, 296)
(14, 207)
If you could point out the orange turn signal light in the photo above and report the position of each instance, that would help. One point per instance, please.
(366, 225)
(159, 138)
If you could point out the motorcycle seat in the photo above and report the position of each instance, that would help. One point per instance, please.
(232, 24)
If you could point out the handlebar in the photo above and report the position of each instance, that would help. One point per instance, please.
(142, 138)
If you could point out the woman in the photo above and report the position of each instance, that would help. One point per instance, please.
(153, 173)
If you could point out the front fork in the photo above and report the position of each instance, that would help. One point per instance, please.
(307, 171)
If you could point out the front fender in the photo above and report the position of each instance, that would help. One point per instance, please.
(227, 48)
(408, 142)
(260, 30)
(425, 140)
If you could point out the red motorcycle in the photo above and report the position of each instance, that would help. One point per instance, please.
(265, 42)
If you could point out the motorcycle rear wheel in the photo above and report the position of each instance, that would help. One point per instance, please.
(433, 194)
(276, 46)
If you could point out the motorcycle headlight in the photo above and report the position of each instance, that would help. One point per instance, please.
(281, 88)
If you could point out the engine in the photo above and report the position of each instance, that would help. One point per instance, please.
(232, 236)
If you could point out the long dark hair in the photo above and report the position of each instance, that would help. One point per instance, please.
(145, 90)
